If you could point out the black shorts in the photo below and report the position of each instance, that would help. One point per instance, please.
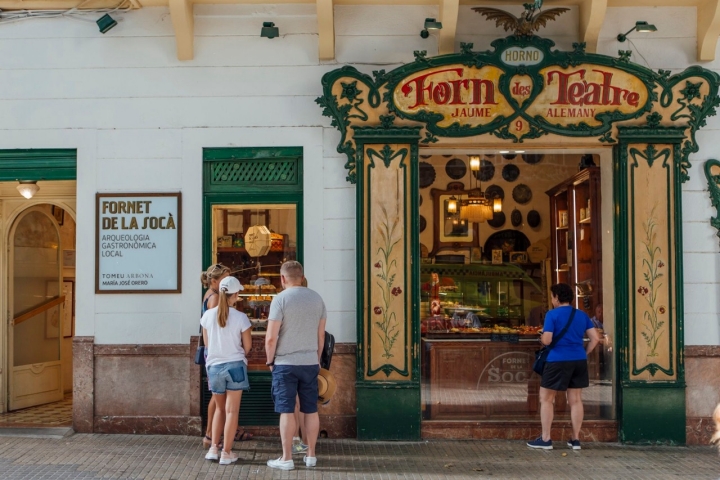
(560, 376)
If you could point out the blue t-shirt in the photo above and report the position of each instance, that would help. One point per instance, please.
(570, 347)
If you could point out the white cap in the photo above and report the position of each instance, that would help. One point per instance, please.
(230, 285)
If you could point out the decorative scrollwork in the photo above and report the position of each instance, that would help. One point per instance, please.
(714, 189)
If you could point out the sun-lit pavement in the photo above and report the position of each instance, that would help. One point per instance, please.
(175, 457)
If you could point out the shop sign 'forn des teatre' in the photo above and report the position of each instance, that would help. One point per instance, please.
(561, 96)
(138, 243)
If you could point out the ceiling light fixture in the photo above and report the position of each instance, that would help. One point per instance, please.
(27, 188)
(105, 23)
(640, 26)
(269, 30)
(477, 207)
(430, 24)
(504, 151)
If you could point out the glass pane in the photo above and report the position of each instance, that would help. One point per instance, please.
(36, 272)
(260, 275)
(483, 302)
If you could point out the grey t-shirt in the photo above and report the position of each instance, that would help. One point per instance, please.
(300, 311)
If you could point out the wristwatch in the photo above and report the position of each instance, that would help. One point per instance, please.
(271, 364)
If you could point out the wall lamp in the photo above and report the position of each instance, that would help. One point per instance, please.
(640, 26)
(105, 23)
(430, 24)
(269, 30)
(27, 188)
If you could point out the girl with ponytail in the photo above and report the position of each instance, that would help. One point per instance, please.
(226, 332)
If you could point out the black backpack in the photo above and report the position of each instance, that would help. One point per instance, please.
(327, 352)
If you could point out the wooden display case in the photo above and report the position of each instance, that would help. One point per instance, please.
(576, 244)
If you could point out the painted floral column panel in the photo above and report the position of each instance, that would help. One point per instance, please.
(387, 244)
(653, 310)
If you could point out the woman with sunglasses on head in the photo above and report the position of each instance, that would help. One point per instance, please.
(210, 280)
(227, 335)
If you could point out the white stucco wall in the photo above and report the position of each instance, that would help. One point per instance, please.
(140, 118)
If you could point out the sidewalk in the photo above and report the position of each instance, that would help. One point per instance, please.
(173, 457)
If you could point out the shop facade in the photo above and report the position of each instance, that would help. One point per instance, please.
(336, 161)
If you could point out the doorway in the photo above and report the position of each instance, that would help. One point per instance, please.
(496, 230)
(40, 303)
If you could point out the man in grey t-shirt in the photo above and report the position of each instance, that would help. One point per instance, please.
(293, 345)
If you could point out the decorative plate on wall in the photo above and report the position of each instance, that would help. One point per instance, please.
(486, 172)
(533, 218)
(498, 220)
(427, 174)
(532, 158)
(423, 224)
(516, 217)
(510, 172)
(425, 156)
(522, 194)
(455, 169)
(509, 156)
(420, 201)
(494, 191)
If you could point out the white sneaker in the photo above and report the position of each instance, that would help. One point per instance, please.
(281, 464)
(228, 458)
(310, 461)
(299, 448)
(212, 454)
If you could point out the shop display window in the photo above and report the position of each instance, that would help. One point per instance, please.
(259, 275)
(484, 282)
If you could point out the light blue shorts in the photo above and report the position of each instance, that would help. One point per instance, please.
(228, 376)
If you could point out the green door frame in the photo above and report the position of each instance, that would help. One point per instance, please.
(36, 165)
(256, 188)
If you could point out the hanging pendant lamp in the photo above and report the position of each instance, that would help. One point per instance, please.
(477, 207)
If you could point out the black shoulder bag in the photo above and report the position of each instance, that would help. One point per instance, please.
(200, 352)
(542, 354)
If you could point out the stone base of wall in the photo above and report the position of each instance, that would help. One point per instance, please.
(702, 369)
(592, 430)
(155, 389)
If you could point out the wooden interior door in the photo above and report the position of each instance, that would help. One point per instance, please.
(35, 302)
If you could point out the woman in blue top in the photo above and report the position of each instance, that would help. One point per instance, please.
(566, 368)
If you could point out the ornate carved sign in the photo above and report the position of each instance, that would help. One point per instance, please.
(519, 91)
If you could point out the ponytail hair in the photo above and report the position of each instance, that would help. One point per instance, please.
(223, 308)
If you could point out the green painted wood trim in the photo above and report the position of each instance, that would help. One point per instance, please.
(269, 155)
(247, 196)
(652, 414)
(36, 165)
(714, 190)
(388, 412)
(361, 92)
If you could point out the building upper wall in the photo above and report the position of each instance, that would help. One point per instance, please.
(140, 118)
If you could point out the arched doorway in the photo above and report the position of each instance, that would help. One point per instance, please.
(35, 301)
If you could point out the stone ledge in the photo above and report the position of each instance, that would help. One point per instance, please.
(168, 350)
(592, 430)
(702, 351)
(154, 425)
(345, 349)
(698, 430)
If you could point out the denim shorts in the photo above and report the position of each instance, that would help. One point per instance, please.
(231, 376)
(291, 380)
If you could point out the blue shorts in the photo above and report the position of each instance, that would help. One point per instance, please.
(289, 381)
(231, 376)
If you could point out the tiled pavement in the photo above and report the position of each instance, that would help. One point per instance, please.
(175, 457)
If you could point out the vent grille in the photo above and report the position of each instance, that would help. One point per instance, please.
(256, 407)
(255, 172)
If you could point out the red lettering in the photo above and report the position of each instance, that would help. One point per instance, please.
(563, 79)
(456, 100)
(442, 93)
(417, 85)
(592, 94)
(633, 99)
(477, 85)
(575, 93)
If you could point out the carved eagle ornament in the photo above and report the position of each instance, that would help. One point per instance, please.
(525, 24)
